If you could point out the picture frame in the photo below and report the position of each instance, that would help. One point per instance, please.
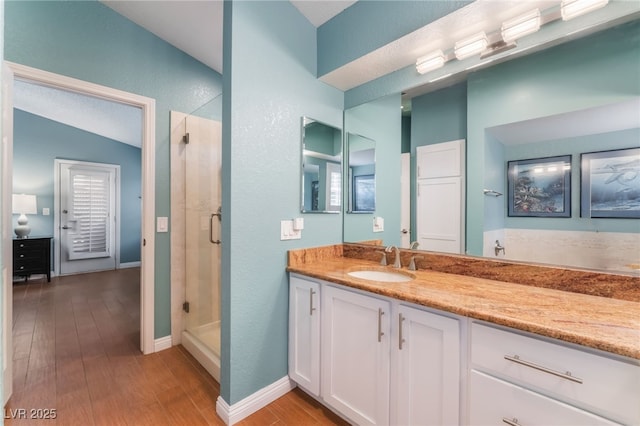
(610, 184)
(539, 187)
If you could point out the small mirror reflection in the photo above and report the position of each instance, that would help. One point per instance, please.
(321, 167)
(362, 174)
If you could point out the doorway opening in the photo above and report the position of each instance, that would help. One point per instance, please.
(147, 106)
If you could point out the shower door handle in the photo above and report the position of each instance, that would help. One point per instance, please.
(211, 227)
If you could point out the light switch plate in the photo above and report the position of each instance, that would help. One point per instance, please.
(378, 224)
(45, 211)
(162, 224)
(287, 232)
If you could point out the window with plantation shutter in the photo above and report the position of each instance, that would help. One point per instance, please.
(89, 212)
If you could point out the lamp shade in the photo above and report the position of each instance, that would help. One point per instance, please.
(24, 204)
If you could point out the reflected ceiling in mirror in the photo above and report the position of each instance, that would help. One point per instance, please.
(321, 171)
(361, 189)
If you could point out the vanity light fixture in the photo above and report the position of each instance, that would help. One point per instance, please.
(430, 62)
(521, 26)
(471, 46)
(570, 9)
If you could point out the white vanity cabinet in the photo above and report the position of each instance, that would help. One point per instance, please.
(427, 368)
(304, 333)
(515, 375)
(372, 359)
(355, 355)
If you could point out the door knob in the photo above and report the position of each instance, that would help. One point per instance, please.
(405, 231)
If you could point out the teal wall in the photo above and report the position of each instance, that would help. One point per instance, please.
(269, 84)
(381, 121)
(566, 78)
(324, 139)
(89, 41)
(38, 141)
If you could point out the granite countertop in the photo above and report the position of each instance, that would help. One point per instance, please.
(607, 323)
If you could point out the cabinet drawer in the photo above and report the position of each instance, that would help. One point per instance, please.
(28, 255)
(495, 402)
(597, 383)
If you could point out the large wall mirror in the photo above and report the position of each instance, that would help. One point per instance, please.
(321, 167)
(361, 158)
(559, 118)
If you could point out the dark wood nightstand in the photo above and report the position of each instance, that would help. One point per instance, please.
(32, 256)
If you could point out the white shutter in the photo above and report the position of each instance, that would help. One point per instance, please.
(89, 214)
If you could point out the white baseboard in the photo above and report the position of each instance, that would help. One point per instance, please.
(242, 409)
(129, 265)
(162, 343)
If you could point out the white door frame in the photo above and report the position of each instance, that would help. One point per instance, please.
(7, 232)
(148, 107)
(57, 191)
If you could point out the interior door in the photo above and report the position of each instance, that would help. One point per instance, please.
(6, 189)
(87, 216)
(440, 219)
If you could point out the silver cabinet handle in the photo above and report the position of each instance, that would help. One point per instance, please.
(400, 338)
(311, 308)
(511, 422)
(380, 332)
(566, 375)
(211, 229)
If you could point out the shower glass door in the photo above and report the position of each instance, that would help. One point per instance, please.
(202, 230)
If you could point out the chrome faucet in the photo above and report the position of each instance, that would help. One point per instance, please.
(499, 248)
(396, 262)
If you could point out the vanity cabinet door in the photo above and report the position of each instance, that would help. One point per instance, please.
(304, 334)
(355, 355)
(428, 368)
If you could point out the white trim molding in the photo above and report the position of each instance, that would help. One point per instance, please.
(260, 399)
(148, 107)
(162, 343)
(126, 265)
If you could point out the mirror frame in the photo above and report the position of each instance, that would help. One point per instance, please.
(304, 122)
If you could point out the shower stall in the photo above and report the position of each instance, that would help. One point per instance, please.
(199, 199)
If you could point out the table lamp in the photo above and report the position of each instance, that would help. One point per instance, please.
(23, 205)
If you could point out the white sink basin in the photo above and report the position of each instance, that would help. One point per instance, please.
(384, 276)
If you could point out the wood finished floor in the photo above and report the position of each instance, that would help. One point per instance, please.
(76, 350)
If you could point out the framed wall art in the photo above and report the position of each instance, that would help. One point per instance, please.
(610, 184)
(539, 187)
